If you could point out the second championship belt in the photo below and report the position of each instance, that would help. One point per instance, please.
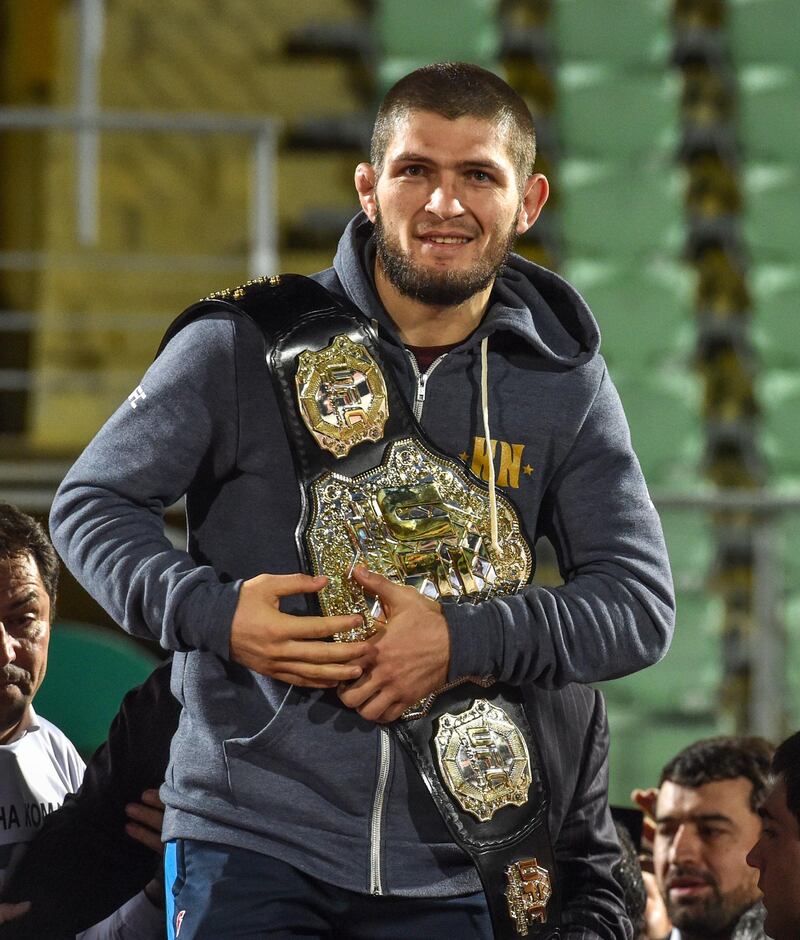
(377, 493)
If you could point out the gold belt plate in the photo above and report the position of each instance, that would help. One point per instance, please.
(528, 891)
(342, 395)
(483, 759)
(417, 519)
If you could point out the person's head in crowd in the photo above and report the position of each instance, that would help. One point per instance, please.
(706, 821)
(776, 855)
(29, 571)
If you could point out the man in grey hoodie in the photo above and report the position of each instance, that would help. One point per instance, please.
(291, 808)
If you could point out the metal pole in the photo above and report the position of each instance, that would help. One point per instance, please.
(767, 638)
(88, 142)
(263, 210)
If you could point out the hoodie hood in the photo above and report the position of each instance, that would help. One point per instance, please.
(529, 301)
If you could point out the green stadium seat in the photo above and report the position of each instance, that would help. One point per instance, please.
(769, 111)
(618, 31)
(621, 209)
(788, 537)
(761, 31)
(772, 210)
(775, 326)
(779, 394)
(89, 670)
(655, 713)
(417, 32)
(602, 110)
(644, 311)
(663, 412)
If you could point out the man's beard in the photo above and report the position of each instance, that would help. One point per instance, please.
(714, 914)
(439, 288)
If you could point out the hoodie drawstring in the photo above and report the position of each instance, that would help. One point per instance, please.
(488, 438)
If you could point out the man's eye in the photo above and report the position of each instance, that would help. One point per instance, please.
(22, 625)
(414, 170)
(481, 176)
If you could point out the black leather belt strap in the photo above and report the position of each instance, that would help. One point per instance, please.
(514, 832)
(295, 314)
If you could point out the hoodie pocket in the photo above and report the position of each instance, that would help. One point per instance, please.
(251, 760)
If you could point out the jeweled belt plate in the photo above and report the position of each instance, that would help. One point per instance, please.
(417, 519)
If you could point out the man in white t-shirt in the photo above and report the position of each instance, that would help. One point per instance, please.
(39, 766)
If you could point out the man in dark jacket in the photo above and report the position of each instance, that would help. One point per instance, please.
(283, 770)
(83, 864)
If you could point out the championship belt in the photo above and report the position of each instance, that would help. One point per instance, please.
(376, 492)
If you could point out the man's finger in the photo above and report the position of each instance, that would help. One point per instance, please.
(284, 585)
(355, 694)
(392, 713)
(326, 672)
(145, 815)
(646, 799)
(377, 706)
(13, 911)
(378, 585)
(293, 678)
(312, 651)
(146, 836)
(300, 627)
(151, 798)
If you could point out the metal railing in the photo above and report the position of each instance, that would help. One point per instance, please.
(263, 252)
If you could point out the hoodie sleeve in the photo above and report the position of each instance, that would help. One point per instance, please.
(615, 613)
(107, 517)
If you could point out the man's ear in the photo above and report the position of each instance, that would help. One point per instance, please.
(534, 196)
(366, 179)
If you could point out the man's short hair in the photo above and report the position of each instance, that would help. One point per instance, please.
(786, 765)
(21, 534)
(454, 90)
(723, 758)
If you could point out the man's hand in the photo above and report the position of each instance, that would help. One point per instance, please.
(145, 820)
(407, 658)
(13, 911)
(288, 647)
(646, 801)
(656, 917)
(658, 926)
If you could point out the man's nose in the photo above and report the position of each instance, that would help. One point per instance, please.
(753, 857)
(445, 200)
(685, 845)
(8, 649)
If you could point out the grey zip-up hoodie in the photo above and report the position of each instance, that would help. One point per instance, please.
(274, 768)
